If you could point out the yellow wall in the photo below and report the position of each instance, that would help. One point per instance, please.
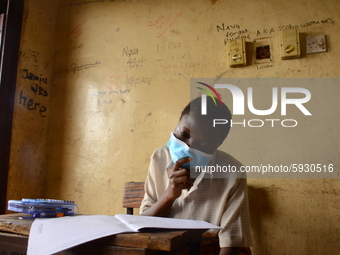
(121, 72)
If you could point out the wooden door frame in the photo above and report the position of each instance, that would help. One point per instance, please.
(9, 65)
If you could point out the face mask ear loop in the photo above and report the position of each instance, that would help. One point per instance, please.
(180, 142)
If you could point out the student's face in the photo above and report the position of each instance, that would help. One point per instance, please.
(196, 134)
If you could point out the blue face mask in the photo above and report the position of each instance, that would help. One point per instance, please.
(179, 149)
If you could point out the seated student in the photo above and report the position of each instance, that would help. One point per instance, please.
(220, 199)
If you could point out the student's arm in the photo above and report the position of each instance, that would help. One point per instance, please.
(179, 179)
(230, 251)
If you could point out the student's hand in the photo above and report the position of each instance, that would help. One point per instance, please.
(179, 178)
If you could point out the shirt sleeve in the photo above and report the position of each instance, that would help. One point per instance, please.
(149, 194)
(155, 183)
(235, 220)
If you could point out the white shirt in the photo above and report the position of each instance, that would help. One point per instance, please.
(220, 201)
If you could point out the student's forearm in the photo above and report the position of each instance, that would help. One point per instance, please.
(161, 208)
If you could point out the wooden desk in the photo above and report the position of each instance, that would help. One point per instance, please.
(155, 242)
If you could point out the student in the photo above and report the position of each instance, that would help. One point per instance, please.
(172, 190)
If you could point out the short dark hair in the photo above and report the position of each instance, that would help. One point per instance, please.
(218, 111)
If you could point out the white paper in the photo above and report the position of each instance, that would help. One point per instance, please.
(139, 222)
(48, 236)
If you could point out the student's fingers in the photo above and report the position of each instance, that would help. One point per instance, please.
(181, 176)
(179, 179)
(179, 172)
(181, 182)
(177, 167)
(181, 162)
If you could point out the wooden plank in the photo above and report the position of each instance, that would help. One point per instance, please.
(11, 223)
(156, 240)
(9, 64)
(95, 248)
(13, 244)
(133, 194)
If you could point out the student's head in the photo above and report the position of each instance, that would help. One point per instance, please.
(197, 130)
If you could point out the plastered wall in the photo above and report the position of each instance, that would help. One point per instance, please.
(121, 74)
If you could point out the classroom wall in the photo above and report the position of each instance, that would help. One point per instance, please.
(121, 72)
